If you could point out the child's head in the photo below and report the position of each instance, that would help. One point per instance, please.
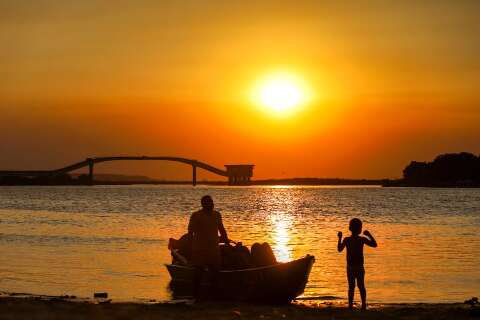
(355, 226)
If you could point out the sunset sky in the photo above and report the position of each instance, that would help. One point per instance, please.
(381, 83)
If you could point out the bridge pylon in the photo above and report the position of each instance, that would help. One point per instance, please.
(194, 175)
(90, 171)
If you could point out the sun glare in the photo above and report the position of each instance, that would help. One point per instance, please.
(280, 93)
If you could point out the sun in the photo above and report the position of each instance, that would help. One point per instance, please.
(280, 93)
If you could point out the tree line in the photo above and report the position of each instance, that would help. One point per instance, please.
(446, 170)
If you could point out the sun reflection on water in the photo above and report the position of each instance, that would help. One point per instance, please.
(281, 238)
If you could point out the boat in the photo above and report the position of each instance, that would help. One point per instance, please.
(279, 283)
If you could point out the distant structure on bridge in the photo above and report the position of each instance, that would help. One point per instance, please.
(237, 174)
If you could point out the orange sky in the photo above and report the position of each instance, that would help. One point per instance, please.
(391, 82)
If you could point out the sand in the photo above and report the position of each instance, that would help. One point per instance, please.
(24, 306)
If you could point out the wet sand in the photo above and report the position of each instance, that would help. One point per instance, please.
(44, 307)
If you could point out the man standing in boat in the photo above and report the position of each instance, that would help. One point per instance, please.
(203, 228)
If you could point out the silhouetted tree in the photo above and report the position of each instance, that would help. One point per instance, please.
(416, 173)
(451, 169)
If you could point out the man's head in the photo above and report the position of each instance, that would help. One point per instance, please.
(355, 226)
(207, 203)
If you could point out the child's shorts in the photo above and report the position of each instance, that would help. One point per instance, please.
(355, 272)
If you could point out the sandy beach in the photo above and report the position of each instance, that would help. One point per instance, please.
(24, 306)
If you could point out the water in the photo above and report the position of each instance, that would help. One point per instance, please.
(78, 240)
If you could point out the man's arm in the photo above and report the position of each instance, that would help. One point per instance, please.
(341, 244)
(221, 229)
(370, 240)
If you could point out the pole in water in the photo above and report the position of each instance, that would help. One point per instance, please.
(194, 175)
(90, 171)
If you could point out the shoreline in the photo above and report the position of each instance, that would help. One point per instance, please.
(321, 182)
(30, 306)
(260, 183)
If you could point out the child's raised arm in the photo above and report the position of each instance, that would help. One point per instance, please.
(370, 240)
(341, 244)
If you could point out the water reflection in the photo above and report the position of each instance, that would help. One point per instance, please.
(282, 203)
(281, 237)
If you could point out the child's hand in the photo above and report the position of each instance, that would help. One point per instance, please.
(367, 233)
(340, 234)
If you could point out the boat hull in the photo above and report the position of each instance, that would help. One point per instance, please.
(280, 283)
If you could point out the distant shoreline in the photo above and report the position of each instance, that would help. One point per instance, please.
(264, 182)
(118, 179)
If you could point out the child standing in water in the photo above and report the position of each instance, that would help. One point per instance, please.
(355, 269)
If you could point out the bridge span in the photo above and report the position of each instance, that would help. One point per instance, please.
(237, 174)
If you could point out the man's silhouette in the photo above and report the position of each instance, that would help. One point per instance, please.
(204, 227)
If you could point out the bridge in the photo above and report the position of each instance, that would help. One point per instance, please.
(237, 174)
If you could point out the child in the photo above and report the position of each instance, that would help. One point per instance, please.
(355, 270)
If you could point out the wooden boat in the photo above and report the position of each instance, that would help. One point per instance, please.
(279, 283)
